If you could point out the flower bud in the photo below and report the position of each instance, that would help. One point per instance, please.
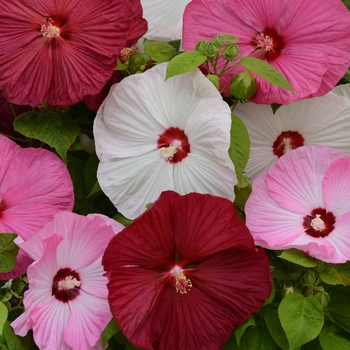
(323, 297)
(202, 46)
(309, 278)
(218, 40)
(145, 58)
(135, 59)
(214, 79)
(212, 50)
(243, 85)
(230, 52)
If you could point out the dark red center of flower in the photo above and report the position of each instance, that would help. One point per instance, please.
(173, 145)
(267, 44)
(287, 141)
(66, 285)
(319, 223)
(2, 206)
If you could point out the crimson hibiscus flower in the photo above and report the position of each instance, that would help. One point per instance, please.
(58, 51)
(185, 274)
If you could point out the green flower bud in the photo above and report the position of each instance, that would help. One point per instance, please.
(218, 40)
(202, 46)
(214, 79)
(323, 297)
(145, 58)
(212, 50)
(135, 59)
(230, 52)
(243, 85)
(309, 278)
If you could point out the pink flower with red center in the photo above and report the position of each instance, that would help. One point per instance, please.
(297, 38)
(59, 51)
(34, 185)
(316, 121)
(66, 304)
(185, 274)
(153, 135)
(303, 202)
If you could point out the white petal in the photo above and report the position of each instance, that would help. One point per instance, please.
(164, 18)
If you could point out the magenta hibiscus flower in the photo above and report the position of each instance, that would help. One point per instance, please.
(34, 186)
(185, 274)
(66, 304)
(58, 51)
(303, 202)
(308, 41)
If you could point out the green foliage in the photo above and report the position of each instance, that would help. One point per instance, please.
(339, 307)
(159, 51)
(301, 318)
(185, 62)
(52, 127)
(330, 275)
(266, 71)
(108, 332)
(239, 149)
(10, 341)
(298, 257)
(239, 331)
(8, 252)
(214, 79)
(3, 316)
(333, 338)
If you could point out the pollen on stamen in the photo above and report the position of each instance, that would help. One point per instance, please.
(287, 146)
(182, 284)
(264, 42)
(317, 223)
(69, 282)
(48, 29)
(168, 152)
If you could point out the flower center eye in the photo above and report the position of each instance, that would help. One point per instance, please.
(173, 145)
(264, 42)
(319, 223)
(287, 141)
(66, 285)
(48, 29)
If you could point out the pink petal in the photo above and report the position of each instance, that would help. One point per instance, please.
(89, 316)
(295, 181)
(336, 187)
(270, 224)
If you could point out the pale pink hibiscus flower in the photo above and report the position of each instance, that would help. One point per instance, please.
(59, 51)
(308, 41)
(303, 202)
(317, 121)
(185, 274)
(34, 185)
(66, 304)
(153, 135)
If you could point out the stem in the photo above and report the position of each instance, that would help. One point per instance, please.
(14, 138)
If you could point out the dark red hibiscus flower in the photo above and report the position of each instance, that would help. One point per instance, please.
(185, 274)
(58, 51)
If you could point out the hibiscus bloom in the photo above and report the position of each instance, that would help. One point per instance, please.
(59, 51)
(296, 37)
(66, 304)
(303, 202)
(34, 186)
(185, 274)
(317, 121)
(153, 135)
(164, 18)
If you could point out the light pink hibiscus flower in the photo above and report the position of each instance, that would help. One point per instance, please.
(66, 304)
(34, 185)
(303, 202)
(308, 41)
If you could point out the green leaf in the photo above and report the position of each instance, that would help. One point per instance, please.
(122, 219)
(8, 252)
(330, 275)
(3, 316)
(301, 318)
(266, 71)
(159, 51)
(239, 148)
(241, 195)
(54, 128)
(228, 38)
(298, 257)
(333, 337)
(274, 326)
(339, 307)
(239, 331)
(185, 62)
(257, 338)
(108, 332)
(13, 341)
